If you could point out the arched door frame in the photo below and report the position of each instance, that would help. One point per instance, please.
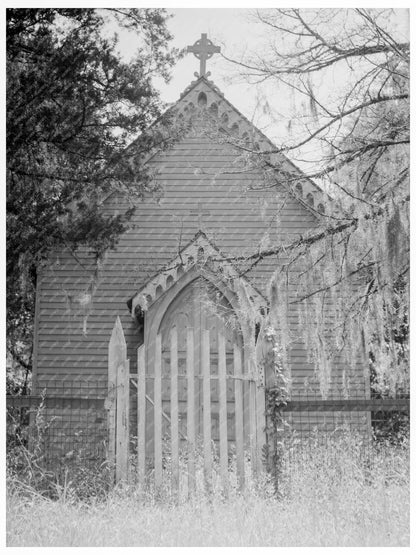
(153, 318)
(155, 313)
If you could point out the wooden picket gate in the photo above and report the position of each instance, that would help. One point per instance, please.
(181, 427)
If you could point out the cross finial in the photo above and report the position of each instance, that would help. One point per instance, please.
(203, 49)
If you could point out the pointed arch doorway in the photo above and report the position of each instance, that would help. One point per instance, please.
(199, 398)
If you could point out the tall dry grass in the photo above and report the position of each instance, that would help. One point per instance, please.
(335, 493)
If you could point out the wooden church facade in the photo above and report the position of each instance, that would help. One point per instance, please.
(172, 272)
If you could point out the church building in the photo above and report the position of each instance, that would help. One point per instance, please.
(180, 295)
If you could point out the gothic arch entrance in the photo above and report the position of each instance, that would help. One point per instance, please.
(199, 395)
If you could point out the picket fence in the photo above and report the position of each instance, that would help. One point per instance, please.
(248, 411)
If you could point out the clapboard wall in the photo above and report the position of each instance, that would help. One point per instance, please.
(203, 188)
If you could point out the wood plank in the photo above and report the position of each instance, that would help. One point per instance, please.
(116, 354)
(253, 427)
(223, 421)
(239, 416)
(190, 370)
(123, 414)
(206, 377)
(158, 411)
(36, 328)
(261, 422)
(174, 416)
(141, 414)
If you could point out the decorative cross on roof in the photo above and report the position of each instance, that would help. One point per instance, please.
(203, 49)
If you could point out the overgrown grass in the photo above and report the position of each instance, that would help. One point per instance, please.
(336, 494)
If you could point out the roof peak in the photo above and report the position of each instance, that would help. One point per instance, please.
(202, 96)
(201, 79)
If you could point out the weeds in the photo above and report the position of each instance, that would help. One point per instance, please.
(333, 491)
(76, 475)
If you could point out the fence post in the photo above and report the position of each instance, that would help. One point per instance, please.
(261, 421)
(123, 413)
(174, 411)
(158, 413)
(190, 408)
(223, 418)
(253, 419)
(141, 414)
(206, 377)
(239, 414)
(118, 402)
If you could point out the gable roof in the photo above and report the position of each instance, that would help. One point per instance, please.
(200, 253)
(203, 97)
(233, 122)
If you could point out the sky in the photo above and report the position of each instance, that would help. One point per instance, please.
(231, 29)
(228, 24)
(234, 30)
(237, 31)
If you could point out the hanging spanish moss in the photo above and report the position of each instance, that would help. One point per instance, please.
(351, 296)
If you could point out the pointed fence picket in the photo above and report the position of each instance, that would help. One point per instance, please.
(118, 402)
(158, 412)
(206, 385)
(253, 427)
(239, 415)
(190, 415)
(223, 419)
(141, 415)
(174, 413)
